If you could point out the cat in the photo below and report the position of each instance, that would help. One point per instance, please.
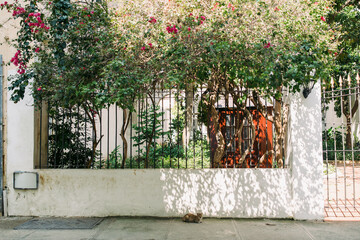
(192, 218)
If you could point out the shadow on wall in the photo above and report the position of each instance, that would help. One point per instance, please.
(305, 153)
(228, 192)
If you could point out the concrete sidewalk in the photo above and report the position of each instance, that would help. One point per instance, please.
(153, 228)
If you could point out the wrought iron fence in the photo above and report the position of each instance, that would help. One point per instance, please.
(341, 143)
(169, 128)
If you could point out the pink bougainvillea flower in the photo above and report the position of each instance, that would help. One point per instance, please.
(323, 19)
(203, 18)
(215, 6)
(189, 29)
(268, 45)
(201, 22)
(37, 49)
(152, 20)
(172, 29)
(143, 49)
(39, 89)
(92, 12)
(190, 14)
(150, 44)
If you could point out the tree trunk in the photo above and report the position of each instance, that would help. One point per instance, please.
(189, 103)
(126, 120)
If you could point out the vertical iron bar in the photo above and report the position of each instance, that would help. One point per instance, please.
(257, 112)
(146, 130)
(193, 124)
(227, 138)
(92, 138)
(250, 128)
(266, 136)
(108, 137)
(282, 150)
(342, 137)
(41, 108)
(352, 139)
(138, 132)
(131, 144)
(1, 140)
(170, 89)
(78, 134)
(62, 139)
(116, 133)
(201, 136)
(56, 134)
(162, 125)
(326, 147)
(274, 164)
(178, 124)
(100, 158)
(186, 130)
(232, 130)
(335, 154)
(154, 127)
(48, 133)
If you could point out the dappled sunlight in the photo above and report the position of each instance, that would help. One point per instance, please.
(227, 192)
(306, 155)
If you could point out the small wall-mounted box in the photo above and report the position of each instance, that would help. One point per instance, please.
(26, 180)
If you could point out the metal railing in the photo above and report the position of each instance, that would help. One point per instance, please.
(341, 143)
(169, 128)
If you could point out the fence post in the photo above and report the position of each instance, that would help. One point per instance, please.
(305, 155)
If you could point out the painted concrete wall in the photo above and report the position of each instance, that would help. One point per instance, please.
(295, 192)
(157, 192)
(305, 155)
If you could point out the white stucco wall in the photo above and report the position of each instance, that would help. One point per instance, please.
(295, 192)
(305, 155)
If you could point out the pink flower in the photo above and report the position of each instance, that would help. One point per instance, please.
(201, 22)
(152, 20)
(323, 19)
(316, 3)
(268, 45)
(189, 29)
(143, 49)
(211, 43)
(203, 18)
(49, 3)
(85, 9)
(150, 44)
(39, 89)
(92, 12)
(37, 49)
(172, 29)
(190, 14)
(276, 9)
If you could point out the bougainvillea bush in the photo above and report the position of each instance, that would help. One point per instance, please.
(88, 55)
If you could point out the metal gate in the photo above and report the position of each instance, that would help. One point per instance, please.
(341, 149)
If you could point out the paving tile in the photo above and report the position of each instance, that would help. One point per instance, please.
(270, 229)
(332, 230)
